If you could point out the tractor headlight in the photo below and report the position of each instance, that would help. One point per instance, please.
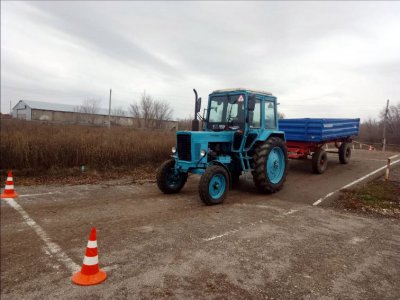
(173, 150)
(203, 153)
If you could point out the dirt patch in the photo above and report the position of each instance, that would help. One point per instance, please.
(378, 198)
(76, 176)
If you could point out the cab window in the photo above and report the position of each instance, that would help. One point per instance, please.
(255, 116)
(269, 115)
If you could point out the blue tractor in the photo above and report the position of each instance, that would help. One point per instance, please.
(239, 135)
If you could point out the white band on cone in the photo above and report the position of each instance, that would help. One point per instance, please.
(92, 244)
(9, 187)
(9, 179)
(91, 261)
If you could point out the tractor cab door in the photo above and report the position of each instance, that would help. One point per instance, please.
(252, 123)
(238, 122)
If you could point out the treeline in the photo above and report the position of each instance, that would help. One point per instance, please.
(149, 112)
(371, 130)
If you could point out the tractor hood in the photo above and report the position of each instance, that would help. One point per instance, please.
(191, 143)
(208, 136)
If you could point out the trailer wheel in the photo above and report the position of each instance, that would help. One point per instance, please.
(213, 185)
(319, 161)
(168, 181)
(344, 153)
(270, 163)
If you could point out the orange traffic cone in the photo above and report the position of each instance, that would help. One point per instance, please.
(9, 189)
(370, 148)
(90, 274)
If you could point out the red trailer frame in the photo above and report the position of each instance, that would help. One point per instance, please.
(301, 150)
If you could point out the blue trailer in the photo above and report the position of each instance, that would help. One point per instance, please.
(306, 137)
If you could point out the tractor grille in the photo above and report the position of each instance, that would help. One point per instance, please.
(184, 151)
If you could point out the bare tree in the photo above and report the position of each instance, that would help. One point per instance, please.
(151, 112)
(162, 112)
(185, 124)
(371, 129)
(118, 111)
(393, 123)
(88, 110)
(135, 112)
(89, 106)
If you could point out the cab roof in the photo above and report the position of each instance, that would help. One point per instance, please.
(241, 90)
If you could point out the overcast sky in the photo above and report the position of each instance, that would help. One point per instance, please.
(321, 59)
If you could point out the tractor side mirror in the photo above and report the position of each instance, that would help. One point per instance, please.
(198, 105)
(251, 103)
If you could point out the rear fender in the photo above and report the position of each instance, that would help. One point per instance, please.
(278, 135)
(268, 134)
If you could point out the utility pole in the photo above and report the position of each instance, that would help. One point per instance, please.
(109, 112)
(384, 126)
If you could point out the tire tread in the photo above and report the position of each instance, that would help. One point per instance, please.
(259, 164)
(205, 180)
(161, 175)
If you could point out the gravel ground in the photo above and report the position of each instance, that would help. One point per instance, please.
(152, 245)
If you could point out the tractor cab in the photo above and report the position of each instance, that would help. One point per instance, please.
(249, 113)
(239, 135)
(240, 109)
(225, 112)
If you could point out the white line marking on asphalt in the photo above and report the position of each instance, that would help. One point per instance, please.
(394, 156)
(354, 182)
(290, 212)
(109, 268)
(221, 235)
(32, 195)
(53, 247)
(256, 205)
(373, 159)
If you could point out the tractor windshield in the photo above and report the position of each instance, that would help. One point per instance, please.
(226, 112)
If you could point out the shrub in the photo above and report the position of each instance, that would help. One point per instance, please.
(36, 146)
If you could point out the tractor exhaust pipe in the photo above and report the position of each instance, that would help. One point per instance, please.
(197, 106)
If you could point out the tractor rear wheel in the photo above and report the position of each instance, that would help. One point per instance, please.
(319, 161)
(169, 181)
(344, 153)
(214, 185)
(270, 163)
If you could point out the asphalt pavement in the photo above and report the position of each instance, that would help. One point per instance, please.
(152, 245)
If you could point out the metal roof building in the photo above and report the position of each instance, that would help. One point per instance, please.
(70, 114)
(23, 109)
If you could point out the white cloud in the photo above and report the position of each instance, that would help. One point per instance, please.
(329, 59)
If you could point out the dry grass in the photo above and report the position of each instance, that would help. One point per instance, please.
(379, 197)
(33, 147)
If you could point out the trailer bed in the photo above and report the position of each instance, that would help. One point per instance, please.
(319, 130)
(306, 137)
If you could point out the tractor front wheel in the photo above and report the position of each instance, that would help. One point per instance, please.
(214, 185)
(270, 163)
(168, 180)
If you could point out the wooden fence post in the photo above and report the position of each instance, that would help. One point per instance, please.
(387, 170)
